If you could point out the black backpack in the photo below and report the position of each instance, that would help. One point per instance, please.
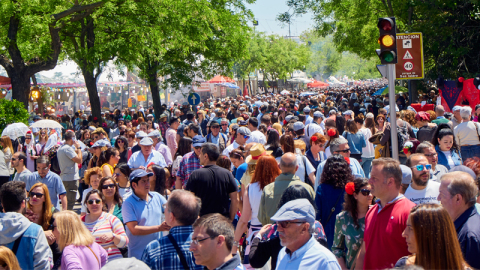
(403, 137)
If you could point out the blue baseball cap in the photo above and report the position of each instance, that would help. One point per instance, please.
(139, 174)
(198, 141)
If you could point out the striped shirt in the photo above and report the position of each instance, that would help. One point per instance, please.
(189, 163)
(108, 223)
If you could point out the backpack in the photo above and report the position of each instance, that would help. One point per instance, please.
(402, 136)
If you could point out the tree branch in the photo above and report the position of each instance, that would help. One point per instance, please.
(76, 8)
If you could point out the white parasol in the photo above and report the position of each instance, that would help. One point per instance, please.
(15, 130)
(46, 124)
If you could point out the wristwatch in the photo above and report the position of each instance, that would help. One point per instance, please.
(236, 243)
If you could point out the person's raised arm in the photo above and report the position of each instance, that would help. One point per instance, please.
(136, 229)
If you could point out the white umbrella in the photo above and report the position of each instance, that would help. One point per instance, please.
(285, 92)
(46, 124)
(15, 130)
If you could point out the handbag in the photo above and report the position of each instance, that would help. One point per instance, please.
(376, 138)
(333, 208)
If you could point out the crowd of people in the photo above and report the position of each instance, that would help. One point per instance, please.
(267, 182)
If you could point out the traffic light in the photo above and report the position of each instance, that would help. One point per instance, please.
(387, 40)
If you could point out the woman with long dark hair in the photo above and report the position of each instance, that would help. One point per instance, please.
(109, 188)
(350, 223)
(330, 193)
(184, 147)
(446, 147)
(122, 145)
(121, 176)
(273, 143)
(109, 160)
(432, 239)
(158, 181)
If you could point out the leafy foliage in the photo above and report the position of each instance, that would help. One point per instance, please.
(12, 112)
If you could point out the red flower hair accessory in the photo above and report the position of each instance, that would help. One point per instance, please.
(331, 132)
(350, 188)
(314, 138)
(347, 159)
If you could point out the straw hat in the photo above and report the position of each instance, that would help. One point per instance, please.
(256, 152)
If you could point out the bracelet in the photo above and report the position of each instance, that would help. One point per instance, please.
(236, 243)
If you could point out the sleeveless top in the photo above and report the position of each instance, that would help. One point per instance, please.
(254, 196)
(109, 166)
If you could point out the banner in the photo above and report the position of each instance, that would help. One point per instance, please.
(452, 95)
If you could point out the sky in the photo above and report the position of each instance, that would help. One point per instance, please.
(265, 12)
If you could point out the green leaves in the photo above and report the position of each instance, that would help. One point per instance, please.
(12, 112)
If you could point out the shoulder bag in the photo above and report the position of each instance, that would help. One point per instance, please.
(179, 252)
(333, 208)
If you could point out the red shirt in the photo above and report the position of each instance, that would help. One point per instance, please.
(383, 234)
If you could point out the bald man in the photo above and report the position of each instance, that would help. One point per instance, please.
(272, 193)
(440, 111)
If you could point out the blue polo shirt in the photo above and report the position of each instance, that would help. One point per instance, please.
(468, 232)
(145, 214)
(52, 181)
(137, 159)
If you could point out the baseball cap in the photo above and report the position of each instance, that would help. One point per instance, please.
(298, 126)
(244, 131)
(288, 118)
(306, 109)
(243, 123)
(297, 209)
(198, 141)
(140, 134)
(146, 141)
(162, 116)
(463, 168)
(331, 112)
(139, 173)
(126, 264)
(318, 114)
(349, 112)
(406, 174)
(101, 143)
(150, 115)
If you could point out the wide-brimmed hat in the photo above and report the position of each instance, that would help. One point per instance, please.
(256, 152)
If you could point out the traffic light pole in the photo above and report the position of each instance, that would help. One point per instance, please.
(393, 116)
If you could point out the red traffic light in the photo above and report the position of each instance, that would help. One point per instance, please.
(386, 24)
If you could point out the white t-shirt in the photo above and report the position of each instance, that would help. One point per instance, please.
(448, 155)
(367, 151)
(426, 195)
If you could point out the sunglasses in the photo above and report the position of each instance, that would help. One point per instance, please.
(197, 147)
(120, 142)
(38, 195)
(28, 138)
(215, 127)
(116, 174)
(14, 159)
(421, 167)
(224, 124)
(97, 201)
(246, 137)
(365, 192)
(344, 151)
(286, 224)
(108, 186)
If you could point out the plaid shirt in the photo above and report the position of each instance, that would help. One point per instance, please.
(161, 254)
(163, 126)
(189, 163)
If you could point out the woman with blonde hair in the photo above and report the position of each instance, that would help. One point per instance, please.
(77, 243)
(432, 239)
(40, 211)
(8, 260)
(7, 149)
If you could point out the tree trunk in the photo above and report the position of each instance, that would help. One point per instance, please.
(91, 84)
(154, 89)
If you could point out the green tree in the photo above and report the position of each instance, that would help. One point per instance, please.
(30, 39)
(451, 48)
(12, 112)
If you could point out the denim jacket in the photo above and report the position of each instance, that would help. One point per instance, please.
(33, 251)
(442, 159)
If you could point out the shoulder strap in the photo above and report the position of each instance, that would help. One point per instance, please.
(333, 208)
(17, 243)
(95, 256)
(179, 252)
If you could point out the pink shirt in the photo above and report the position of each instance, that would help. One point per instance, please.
(81, 258)
(172, 141)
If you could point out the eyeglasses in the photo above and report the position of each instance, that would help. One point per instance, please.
(97, 201)
(108, 186)
(421, 167)
(215, 127)
(431, 155)
(197, 147)
(286, 224)
(14, 159)
(28, 138)
(365, 192)
(196, 241)
(42, 169)
(116, 174)
(38, 195)
(121, 141)
(344, 151)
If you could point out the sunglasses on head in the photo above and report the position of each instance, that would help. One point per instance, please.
(420, 167)
(38, 195)
(108, 186)
(97, 201)
(365, 192)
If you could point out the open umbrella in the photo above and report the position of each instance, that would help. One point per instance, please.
(46, 124)
(285, 92)
(15, 130)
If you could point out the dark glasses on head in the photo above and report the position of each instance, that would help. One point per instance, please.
(420, 167)
(108, 186)
(365, 192)
(97, 201)
(38, 195)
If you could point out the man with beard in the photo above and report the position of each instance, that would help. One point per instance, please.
(421, 189)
